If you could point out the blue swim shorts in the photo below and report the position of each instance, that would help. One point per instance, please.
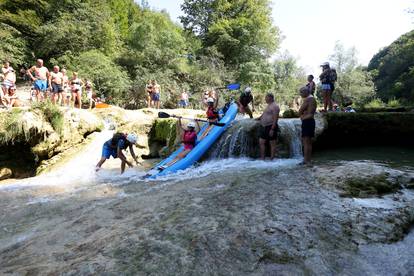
(108, 151)
(40, 85)
(326, 86)
(155, 97)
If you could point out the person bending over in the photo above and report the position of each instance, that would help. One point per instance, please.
(307, 113)
(114, 148)
(269, 127)
(189, 140)
(245, 98)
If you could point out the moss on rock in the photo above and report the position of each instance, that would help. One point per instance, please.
(30, 136)
(377, 185)
(164, 130)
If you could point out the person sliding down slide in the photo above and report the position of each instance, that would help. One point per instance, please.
(114, 148)
(189, 140)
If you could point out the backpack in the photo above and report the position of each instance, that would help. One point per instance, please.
(117, 136)
(333, 76)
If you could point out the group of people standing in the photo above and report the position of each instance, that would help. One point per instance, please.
(153, 90)
(61, 89)
(55, 85)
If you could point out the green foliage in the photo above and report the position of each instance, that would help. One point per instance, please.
(289, 77)
(393, 69)
(109, 79)
(13, 46)
(375, 103)
(242, 30)
(13, 128)
(394, 103)
(354, 83)
(164, 130)
(52, 114)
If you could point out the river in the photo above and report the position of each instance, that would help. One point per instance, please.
(233, 216)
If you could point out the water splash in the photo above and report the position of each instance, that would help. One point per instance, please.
(241, 139)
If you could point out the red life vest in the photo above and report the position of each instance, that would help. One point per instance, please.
(212, 113)
(189, 139)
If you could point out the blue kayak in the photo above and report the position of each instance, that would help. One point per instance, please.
(199, 150)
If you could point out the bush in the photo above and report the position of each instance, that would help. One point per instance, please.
(394, 103)
(52, 114)
(12, 127)
(109, 80)
(375, 103)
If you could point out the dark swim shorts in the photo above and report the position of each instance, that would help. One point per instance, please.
(308, 128)
(57, 88)
(264, 133)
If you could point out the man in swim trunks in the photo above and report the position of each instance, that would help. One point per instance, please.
(39, 75)
(156, 94)
(269, 127)
(56, 83)
(307, 113)
(114, 147)
(9, 80)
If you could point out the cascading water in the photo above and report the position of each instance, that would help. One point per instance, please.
(241, 140)
(291, 134)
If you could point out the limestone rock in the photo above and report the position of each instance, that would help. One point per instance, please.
(5, 173)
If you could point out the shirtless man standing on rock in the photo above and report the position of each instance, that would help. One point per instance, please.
(56, 83)
(269, 127)
(39, 75)
(307, 113)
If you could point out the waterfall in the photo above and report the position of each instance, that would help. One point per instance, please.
(241, 140)
(290, 132)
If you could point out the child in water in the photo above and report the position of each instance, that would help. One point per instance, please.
(189, 140)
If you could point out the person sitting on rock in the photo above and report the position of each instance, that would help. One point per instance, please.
(114, 147)
(11, 98)
(245, 98)
(189, 140)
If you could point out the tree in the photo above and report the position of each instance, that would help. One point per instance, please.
(109, 79)
(393, 69)
(288, 77)
(241, 30)
(354, 82)
(13, 46)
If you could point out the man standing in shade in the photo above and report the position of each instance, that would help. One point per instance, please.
(269, 127)
(307, 113)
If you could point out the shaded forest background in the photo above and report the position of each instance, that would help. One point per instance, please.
(120, 45)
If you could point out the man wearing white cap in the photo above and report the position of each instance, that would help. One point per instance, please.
(114, 147)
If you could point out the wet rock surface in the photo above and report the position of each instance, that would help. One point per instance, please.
(259, 220)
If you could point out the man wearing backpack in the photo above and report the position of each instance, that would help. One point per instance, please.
(327, 78)
(114, 147)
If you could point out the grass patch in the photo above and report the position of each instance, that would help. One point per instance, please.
(378, 185)
(13, 128)
(52, 114)
(375, 103)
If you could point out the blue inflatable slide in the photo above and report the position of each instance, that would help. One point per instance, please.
(199, 150)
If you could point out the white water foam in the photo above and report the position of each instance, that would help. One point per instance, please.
(232, 164)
